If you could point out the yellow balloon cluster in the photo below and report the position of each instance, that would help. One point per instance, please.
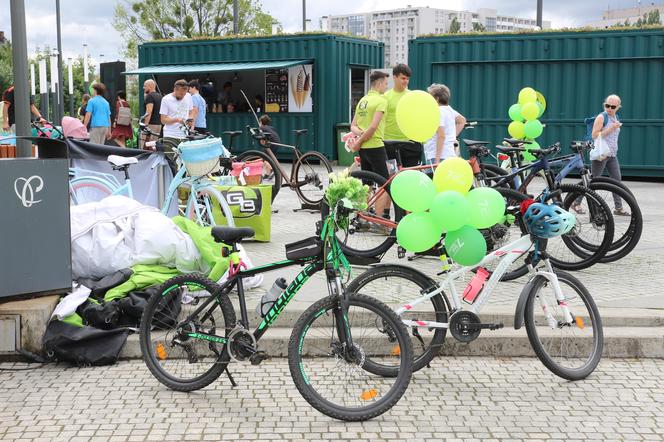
(525, 116)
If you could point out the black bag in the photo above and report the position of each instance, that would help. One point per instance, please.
(306, 248)
(83, 345)
(104, 316)
(133, 305)
(99, 287)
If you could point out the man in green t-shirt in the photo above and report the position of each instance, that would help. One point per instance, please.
(410, 151)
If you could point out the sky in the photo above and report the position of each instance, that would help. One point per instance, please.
(91, 21)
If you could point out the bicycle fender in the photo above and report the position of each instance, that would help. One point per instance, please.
(521, 303)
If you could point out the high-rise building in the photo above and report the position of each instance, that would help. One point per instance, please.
(395, 27)
(612, 17)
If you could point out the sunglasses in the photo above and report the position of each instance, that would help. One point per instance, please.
(610, 106)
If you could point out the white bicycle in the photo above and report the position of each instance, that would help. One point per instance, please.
(561, 319)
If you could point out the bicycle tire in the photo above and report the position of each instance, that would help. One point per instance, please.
(208, 194)
(493, 171)
(154, 318)
(258, 155)
(80, 190)
(606, 179)
(392, 293)
(320, 181)
(370, 245)
(591, 362)
(307, 382)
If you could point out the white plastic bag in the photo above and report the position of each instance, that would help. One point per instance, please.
(601, 150)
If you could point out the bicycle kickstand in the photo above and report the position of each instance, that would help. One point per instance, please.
(230, 378)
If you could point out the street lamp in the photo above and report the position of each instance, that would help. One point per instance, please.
(304, 15)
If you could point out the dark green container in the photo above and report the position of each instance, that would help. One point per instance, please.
(332, 57)
(574, 70)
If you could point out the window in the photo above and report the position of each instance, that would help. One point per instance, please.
(356, 25)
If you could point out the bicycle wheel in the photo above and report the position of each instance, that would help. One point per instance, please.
(606, 179)
(272, 177)
(397, 285)
(365, 237)
(341, 382)
(173, 356)
(573, 349)
(88, 190)
(493, 173)
(311, 182)
(202, 207)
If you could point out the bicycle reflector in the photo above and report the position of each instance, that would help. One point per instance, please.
(523, 207)
(367, 395)
(503, 157)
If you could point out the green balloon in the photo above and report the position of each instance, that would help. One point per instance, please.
(515, 112)
(532, 144)
(466, 246)
(450, 210)
(486, 207)
(413, 191)
(533, 129)
(417, 232)
(516, 129)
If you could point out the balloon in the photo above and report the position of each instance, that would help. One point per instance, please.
(450, 210)
(515, 112)
(90, 89)
(486, 207)
(417, 232)
(531, 144)
(530, 111)
(541, 101)
(542, 108)
(529, 156)
(466, 246)
(527, 95)
(533, 129)
(516, 129)
(418, 115)
(453, 174)
(413, 191)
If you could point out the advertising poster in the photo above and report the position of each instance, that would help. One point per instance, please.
(276, 90)
(300, 85)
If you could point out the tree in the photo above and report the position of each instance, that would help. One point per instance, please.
(455, 26)
(478, 27)
(6, 72)
(144, 20)
(652, 18)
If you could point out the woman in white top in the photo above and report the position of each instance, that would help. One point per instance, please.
(441, 145)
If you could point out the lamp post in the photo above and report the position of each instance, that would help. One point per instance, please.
(304, 15)
(21, 91)
(59, 87)
(539, 13)
(86, 70)
(70, 77)
(236, 18)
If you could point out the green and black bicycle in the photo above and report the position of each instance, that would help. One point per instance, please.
(349, 355)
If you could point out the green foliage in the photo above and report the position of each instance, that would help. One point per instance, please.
(6, 73)
(349, 189)
(455, 26)
(144, 20)
(478, 27)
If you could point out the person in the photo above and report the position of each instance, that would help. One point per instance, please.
(369, 126)
(152, 107)
(410, 151)
(225, 96)
(200, 109)
(610, 131)
(8, 117)
(259, 104)
(121, 132)
(443, 143)
(230, 108)
(265, 125)
(98, 115)
(175, 111)
(84, 103)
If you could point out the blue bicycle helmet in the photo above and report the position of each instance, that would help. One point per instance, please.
(548, 221)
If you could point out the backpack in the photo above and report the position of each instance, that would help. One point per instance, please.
(124, 116)
(590, 122)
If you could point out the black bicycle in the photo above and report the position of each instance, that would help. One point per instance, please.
(349, 355)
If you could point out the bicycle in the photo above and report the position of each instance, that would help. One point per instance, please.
(425, 308)
(189, 333)
(303, 177)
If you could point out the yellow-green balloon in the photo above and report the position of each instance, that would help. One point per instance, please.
(533, 129)
(531, 145)
(466, 246)
(413, 191)
(541, 108)
(450, 210)
(515, 112)
(527, 95)
(418, 115)
(516, 129)
(453, 174)
(417, 232)
(486, 207)
(530, 111)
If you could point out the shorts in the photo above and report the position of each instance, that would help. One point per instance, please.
(374, 159)
(410, 152)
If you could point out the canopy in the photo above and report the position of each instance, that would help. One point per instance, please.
(215, 67)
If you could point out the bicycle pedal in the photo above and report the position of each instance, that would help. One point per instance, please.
(486, 326)
(258, 357)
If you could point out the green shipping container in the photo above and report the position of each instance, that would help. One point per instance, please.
(574, 70)
(334, 60)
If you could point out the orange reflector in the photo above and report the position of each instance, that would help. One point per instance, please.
(579, 322)
(503, 157)
(368, 394)
(161, 351)
(396, 351)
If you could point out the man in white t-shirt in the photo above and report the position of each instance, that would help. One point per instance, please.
(176, 108)
(442, 145)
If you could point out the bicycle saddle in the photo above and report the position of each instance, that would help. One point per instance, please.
(471, 143)
(119, 161)
(232, 133)
(505, 149)
(515, 142)
(300, 131)
(231, 235)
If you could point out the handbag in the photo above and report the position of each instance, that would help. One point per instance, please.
(601, 150)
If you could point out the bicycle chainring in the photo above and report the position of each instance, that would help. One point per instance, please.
(241, 344)
(461, 326)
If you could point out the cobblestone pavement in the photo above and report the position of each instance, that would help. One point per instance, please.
(458, 398)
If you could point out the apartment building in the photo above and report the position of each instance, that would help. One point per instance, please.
(611, 17)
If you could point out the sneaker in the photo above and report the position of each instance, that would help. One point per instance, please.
(621, 212)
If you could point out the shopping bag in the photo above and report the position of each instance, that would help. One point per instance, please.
(601, 150)
(251, 207)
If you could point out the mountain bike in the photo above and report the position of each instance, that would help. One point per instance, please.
(349, 355)
(563, 323)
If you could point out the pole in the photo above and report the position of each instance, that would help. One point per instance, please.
(54, 86)
(70, 77)
(304, 15)
(33, 89)
(60, 89)
(21, 91)
(43, 89)
(539, 13)
(86, 74)
(236, 18)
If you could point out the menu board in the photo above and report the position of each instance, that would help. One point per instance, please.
(276, 90)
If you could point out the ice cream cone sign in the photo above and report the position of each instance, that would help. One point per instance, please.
(300, 86)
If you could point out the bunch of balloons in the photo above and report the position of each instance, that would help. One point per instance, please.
(447, 205)
(525, 116)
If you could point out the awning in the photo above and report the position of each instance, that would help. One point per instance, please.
(215, 67)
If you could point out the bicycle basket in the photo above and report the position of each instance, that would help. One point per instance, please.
(306, 248)
(201, 157)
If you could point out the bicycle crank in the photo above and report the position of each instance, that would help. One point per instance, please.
(466, 326)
